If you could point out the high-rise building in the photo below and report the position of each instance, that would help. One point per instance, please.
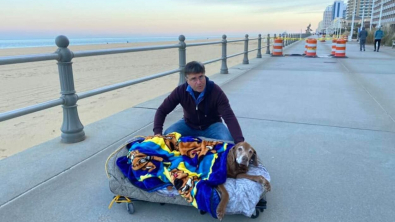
(338, 9)
(327, 17)
(388, 14)
(360, 6)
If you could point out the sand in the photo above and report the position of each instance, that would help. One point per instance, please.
(27, 84)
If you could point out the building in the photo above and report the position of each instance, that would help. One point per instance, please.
(338, 9)
(388, 14)
(320, 28)
(327, 17)
(359, 10)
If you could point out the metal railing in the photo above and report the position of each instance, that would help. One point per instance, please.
(72, 128)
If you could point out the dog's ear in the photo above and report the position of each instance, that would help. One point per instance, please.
(254, 157)
(231, 156)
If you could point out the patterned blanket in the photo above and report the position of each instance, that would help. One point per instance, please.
(193, 166)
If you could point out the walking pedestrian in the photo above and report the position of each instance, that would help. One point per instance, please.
(362, 38)
(378, 35)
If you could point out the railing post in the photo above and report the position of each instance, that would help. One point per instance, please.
(285, 40)
(268, 44)
(259, 54)
(72, 128)
(182, 58)
(245, 60)
(224, 66)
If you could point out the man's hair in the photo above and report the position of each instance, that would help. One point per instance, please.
(194, 67)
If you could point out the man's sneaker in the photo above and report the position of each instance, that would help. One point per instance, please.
(375, 50)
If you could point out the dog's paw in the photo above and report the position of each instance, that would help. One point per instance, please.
(267, 185)
(220, 213)
(260, 179)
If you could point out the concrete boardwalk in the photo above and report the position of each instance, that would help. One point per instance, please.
(324, 128)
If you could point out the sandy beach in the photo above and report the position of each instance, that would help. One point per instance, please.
(27, 84)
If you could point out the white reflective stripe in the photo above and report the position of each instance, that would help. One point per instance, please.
(341, 45)
(340, 51)
(277, 50)
(311, 51)
(311, 45)
(277, 44)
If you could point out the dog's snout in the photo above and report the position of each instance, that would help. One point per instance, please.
(245, 159)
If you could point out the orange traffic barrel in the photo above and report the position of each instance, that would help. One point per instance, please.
(323, 38)
(311, 50)
(305, 47)
(345, 38)
(278, 47)
(334, 42)
(340, 48)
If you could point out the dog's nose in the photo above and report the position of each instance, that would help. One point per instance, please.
(245, 159)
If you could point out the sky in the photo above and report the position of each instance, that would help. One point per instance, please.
(21, 19)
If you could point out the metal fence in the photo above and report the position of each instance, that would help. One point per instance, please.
(72, 128)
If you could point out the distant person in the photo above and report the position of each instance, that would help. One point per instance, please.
(378, 35)
(362, 39)
(204, 105)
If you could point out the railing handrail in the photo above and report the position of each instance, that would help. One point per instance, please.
(28, 58)
(69, 98)
(50, 56)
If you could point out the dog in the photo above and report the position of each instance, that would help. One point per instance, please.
(238, 160)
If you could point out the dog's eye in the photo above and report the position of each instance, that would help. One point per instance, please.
(250, 151)
(240, 149)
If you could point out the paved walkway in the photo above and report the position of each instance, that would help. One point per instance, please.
(324, 127)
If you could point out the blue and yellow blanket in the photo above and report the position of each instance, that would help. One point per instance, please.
(193, 166)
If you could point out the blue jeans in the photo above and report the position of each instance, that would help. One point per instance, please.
(215, 131)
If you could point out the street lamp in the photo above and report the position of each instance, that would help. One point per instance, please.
(352, 22)
(363, 14)
(381, 12)
(371, 16)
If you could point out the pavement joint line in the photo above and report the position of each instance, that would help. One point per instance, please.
(314, 124)
(367, 91)
(141, 107)
(69, 168)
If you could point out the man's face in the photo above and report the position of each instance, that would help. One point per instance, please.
(197, 81)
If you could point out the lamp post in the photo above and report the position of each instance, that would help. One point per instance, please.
(352, 22)
(339, 28)
(371, 16)
(381, 12)
(363, 15)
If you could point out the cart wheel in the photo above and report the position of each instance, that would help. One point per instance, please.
(256, 214)
(130, 208)
(202, 212)
(260, 209)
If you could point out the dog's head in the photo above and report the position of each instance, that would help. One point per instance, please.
(244, 154)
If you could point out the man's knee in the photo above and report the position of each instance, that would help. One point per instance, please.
(220, 132)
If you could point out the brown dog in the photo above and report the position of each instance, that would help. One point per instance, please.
(238, 159)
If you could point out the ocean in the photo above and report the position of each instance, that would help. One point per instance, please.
(27, 43)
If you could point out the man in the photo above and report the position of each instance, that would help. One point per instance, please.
(362, 38)
(378, 35)
(203, 103)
